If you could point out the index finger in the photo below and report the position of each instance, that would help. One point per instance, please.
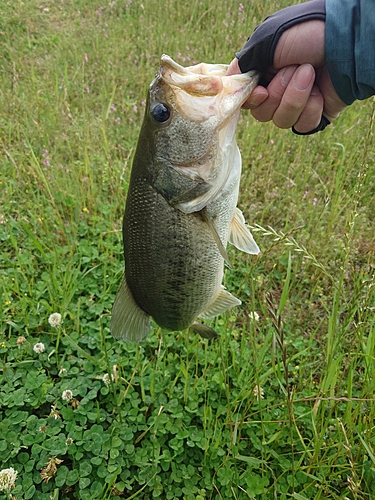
(295, 97)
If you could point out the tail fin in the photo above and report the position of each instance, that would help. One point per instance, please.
(129, 322)
(204, 331)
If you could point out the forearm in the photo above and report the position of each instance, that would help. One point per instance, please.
(350, 47)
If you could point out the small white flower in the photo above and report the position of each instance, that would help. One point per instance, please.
(39, 347)
(254, 315)
(54, 412)
(7, 479)
(258, 392)
(55, 320)
(106, 379)
(67, 395)
(69, 441)
(63, 371)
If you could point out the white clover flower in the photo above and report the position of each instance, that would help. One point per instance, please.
(54, 412)
(67, 395)
(107, 379)
(69, 441)
(254, 315)
(39, 347)
(258, 392)
(63, 371)
(7, 479)
(55, 320)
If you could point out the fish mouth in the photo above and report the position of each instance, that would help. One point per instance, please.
(209, 81)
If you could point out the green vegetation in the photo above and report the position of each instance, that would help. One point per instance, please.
(282, 404)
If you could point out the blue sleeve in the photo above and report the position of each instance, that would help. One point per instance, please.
(350, 47)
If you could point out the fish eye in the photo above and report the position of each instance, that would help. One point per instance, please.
(161, 113)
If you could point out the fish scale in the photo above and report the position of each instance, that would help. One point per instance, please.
(161, 275)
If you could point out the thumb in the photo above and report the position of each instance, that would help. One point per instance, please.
(233, 68)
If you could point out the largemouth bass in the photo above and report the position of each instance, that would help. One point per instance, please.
(181, 203)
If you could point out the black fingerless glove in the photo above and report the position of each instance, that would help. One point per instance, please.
(259, 50)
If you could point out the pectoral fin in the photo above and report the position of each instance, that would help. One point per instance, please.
(180, 187)
(240, 235)
(223, 301)
(215, 235)
(129, 322)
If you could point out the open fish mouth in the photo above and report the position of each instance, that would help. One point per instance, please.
(222, 95)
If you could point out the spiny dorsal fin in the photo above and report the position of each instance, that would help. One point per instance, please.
(224, 300)
(129, 322)
(240, 235)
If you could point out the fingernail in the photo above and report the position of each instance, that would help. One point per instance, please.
(303, 77)
(287, 74)
(256, 98)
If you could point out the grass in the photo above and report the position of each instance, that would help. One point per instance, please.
(280, 406)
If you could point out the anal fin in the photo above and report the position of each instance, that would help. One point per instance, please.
(224, 300)
(240, 235)
(129, 322)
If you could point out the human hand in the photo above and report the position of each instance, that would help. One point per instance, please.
(299, 89)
